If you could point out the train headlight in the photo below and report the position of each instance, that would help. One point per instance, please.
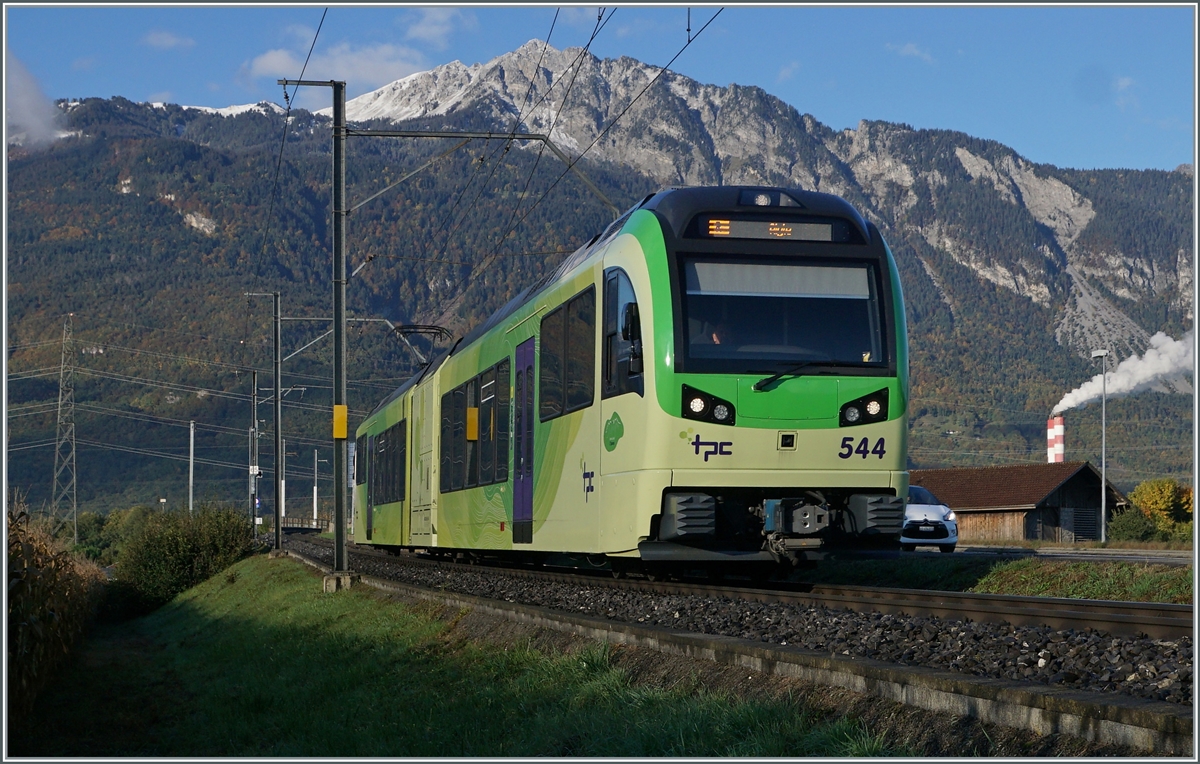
(698, 404)
(865, 410)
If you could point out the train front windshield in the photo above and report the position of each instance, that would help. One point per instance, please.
(755, 315)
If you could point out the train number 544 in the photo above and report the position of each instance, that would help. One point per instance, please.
(863, 448)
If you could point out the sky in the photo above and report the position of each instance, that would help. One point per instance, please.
(1073, 86)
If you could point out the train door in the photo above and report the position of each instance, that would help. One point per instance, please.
(422, 458)
(523, 417)
(372, 468)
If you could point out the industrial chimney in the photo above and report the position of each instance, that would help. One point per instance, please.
(1055, 451)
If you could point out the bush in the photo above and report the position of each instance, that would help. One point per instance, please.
(1182, 532)
(173, 551)
(52, 596)
(1131, 525)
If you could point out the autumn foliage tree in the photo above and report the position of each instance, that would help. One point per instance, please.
(1164, 501)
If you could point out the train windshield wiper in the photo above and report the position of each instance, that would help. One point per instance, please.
(793, 369)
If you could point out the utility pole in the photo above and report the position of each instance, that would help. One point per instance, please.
(278, 419)
(278, 431)
(63, 490)
(191, 462)
(253, 466)
(1103, 356)
(283, 481)
(340, 414)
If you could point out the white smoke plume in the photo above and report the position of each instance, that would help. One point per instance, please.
(1166, 357)
(30, 117)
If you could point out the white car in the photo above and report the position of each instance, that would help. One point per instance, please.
(927, 522)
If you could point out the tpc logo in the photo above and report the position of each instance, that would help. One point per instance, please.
(712, 447)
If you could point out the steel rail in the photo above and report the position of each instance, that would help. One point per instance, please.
(1153, 619)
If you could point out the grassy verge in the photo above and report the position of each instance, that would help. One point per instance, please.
(258, 662)
(1128, 582)
(1124, 581)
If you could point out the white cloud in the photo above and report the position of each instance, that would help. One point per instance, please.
(163, 96)
(83, 64)
(1126, 97)
(580, 17)
(167, 40)
(433, 26)
(302, 33)
(362, 68)
(910, 49)
(787, 72)
(27, 112)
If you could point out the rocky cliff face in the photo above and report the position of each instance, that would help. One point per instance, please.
(1037, 231)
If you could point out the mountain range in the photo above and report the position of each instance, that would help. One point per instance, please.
(1013, 271)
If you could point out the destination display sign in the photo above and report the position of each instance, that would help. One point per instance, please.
(787, 230)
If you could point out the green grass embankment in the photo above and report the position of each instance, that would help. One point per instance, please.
(257, 661)
(1122, 581)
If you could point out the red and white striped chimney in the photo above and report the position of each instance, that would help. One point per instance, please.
(1055, 450)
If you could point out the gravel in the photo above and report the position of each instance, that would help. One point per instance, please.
(1159, 669)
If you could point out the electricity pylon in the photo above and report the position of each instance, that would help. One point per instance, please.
(63, 495)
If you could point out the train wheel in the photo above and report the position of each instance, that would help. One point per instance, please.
(621, 568)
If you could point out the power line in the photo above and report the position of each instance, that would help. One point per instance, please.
(178, 387)
(507, 144)
(578, 65)
(299, 473)
(602, 133)
(283, 140)
(44, 371)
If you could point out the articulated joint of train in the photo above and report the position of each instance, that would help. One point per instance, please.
(765, 525)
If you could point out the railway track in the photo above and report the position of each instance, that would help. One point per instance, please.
(727, 624)
(1154, 620)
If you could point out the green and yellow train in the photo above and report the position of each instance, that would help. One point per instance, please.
(719, 378)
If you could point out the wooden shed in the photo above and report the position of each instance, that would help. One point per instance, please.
(1047, 502)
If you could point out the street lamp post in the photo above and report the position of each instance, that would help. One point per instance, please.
(1103, 356)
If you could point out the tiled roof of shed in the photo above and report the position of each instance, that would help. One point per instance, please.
(1014, 485)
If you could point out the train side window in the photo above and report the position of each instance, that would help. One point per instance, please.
(471, 443)
(379, 468)
(459, 436)
(447, 439)
(618, 349)
(369, 453)
(519, 421)
(487, 426)
(388, 464)
(501, 420)
(581, 350)
(550, 376)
